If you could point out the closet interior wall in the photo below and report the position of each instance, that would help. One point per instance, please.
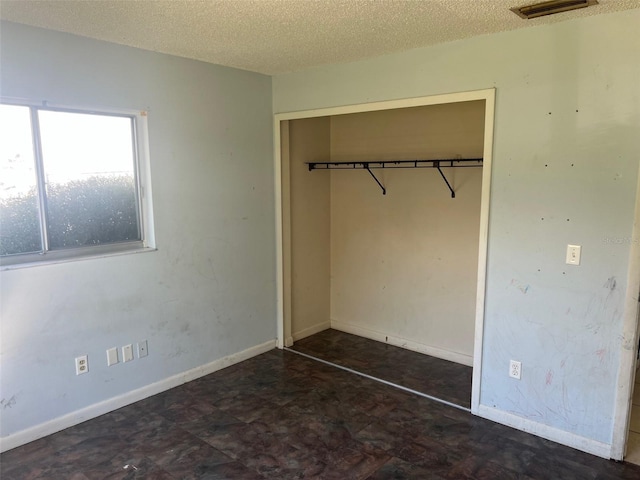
(307, 308)
(400, 267)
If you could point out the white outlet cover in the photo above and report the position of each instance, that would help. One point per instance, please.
(112, 356)
(143, 350)
(515, 369)
(127, 353)
(82, 364)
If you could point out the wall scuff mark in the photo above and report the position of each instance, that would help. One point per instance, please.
(611, 283)
(523, 288)
(8, 403)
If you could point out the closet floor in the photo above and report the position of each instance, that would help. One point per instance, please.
(435, 377)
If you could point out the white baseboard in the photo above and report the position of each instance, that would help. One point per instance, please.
(92, 411)
(545, 431)
(403, 343)
(307, 332)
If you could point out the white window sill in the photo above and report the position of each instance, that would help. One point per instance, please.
(64, 256)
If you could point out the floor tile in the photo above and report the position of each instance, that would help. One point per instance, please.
(193, 460)
(124, 467)
(227, 471)
(478, 468)
(280, 415)
(398, 469)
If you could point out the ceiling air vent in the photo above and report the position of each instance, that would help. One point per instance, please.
(551, 7)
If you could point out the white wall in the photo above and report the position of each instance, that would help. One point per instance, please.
(565, 169)
(404, 264)
(209, 290)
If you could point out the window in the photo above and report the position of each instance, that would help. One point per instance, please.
(69, 183)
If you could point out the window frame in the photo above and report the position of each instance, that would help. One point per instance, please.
(142, 185)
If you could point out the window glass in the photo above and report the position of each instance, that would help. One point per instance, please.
(88, 163)
(19, 213)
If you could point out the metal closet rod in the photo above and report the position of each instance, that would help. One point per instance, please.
(451, 163)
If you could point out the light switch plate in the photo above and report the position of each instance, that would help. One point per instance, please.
(573, 254)
(112, 356)
(127, 353)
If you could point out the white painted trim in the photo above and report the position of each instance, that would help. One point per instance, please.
(388, 105)
(307, 332)
(545, 431)
(628, 343)
(144, 172)
(483, 242)
(277, 165)
(403, 343)
(92, 411)
(285, 231)
(120, 249)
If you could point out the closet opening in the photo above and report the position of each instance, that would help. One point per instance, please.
(386, 278)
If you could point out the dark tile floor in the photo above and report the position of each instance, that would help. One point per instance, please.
(280, 415)
(439, 378)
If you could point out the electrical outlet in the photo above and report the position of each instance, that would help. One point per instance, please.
(143, 350)
(515, 369)
(127, 353)
(82, 364)
(112, 356)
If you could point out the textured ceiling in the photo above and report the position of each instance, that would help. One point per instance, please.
(278, 36)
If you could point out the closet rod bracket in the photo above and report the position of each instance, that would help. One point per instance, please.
(366, 167)
(437, 165)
